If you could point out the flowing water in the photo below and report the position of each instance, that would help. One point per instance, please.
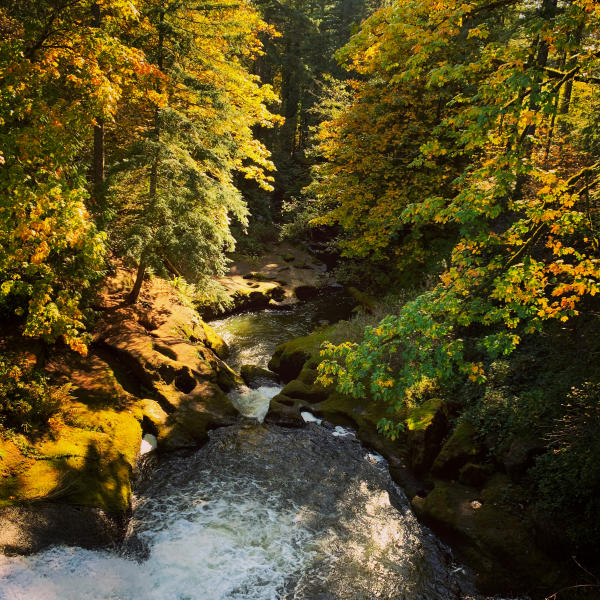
(258, 513)
(253, 336)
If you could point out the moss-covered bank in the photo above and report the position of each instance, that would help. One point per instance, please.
(441, 464)
(152, 368)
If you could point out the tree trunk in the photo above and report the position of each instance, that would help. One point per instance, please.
(133, 296)
(565, 102)
(153, 186)
(548, 9)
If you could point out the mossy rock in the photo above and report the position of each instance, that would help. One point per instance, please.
(491, 533)
(88, 461)
(255, 376)
(245, 298)
(474, 475)
(227, 378)
(214, 341)
(426, 425)
(290, 357)
(308, 375)
(521, 455)
(30, 528)
(288, 257)
(362, 415)
(205, 408)
(258, 276)
(460, 448)
(285, 412)
(300, 390)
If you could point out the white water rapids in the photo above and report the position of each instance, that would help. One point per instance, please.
(258, 513)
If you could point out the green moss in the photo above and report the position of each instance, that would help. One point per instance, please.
(490, 534)
(227, 378)
(252, 374)
(363, 415)
(302, 391)
(215, 342)
(427, 425)
(290, 357)
(88, 460)
(421, 417)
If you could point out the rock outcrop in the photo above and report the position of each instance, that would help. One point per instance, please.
(154, 367)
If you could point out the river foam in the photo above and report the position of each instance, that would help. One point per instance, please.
(224, 540)
(259, 513)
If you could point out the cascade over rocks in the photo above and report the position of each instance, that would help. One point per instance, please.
(149, 370)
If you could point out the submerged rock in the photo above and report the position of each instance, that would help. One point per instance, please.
(254, 376)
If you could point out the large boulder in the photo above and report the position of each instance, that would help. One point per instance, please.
(491, 530)
(88, 452)
(474, 475)
(290, 357)
(313, 392)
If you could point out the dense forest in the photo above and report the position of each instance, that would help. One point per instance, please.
(441, 156)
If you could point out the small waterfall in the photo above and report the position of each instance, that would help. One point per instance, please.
(258, 513)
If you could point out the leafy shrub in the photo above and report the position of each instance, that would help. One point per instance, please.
(26, 397)
(567, 477)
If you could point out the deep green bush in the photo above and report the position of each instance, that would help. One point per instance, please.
(567, 477)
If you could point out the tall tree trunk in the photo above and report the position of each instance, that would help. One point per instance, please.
(98, 150)
(565, 101)
(139, 280)
(153, 185)
(547, 12)
(561, 66)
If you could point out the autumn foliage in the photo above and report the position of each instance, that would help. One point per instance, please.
(170, 86)
(466, 123)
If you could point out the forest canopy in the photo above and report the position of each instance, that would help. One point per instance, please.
(446, 151)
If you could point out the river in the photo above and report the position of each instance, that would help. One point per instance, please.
(258, 513)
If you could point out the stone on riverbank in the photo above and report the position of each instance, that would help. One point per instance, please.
(491, 531)
(255, 376)
(290, 357)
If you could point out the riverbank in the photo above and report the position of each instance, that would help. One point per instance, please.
(154, 376)
(153, 369)
(479, 503)
(156, 369)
